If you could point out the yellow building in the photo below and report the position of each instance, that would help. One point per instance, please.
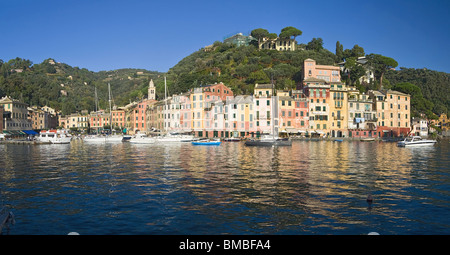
(393, 112)
(443, 122)
(280, 44)
(318, 92)
(15, 117)
(338, 110)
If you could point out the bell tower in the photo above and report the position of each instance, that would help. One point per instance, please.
(151, 90)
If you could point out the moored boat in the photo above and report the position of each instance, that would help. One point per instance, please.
(103, 139)
(231, 139)
(174, 137)
(270, 141)
(415, 141)
(142, 139)
(206, 142)
(59, 136)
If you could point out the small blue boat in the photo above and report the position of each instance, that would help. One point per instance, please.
(206, 142)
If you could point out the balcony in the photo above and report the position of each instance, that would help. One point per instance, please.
(338, 117)
(362, 120)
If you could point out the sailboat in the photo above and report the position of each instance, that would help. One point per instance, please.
(271, 139)
(105, 138)
(171, 136)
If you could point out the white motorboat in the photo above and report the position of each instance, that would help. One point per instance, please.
(270, 140)
(173, 137)
(415, 141)
(54, 136)
(142, 139)
(207, 142)
(103, 139)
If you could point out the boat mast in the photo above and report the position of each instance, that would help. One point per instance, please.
(272, 108)
(165, 103)
(110, 112)
(96, 100)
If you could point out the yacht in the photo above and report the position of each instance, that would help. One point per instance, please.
(415, 141)
(103, 139)
(270, 140)
(54, 136)
(174, 137)
(142, 139)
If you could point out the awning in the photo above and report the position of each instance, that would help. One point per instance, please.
(13, 132)
(291, 130)
(30, 132)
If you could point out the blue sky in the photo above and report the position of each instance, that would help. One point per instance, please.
(156, 35)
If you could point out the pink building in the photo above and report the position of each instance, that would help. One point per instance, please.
(323, 72)
(301, 112)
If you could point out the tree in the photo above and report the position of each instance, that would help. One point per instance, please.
(355, 52)
(259, 34)
(288, 32)
(316, 44)
(355, 70)
(418, 103)
(339, 51)
(258, 77)
(380, 64)
(272, 36)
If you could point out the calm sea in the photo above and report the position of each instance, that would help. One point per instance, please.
(313, 188)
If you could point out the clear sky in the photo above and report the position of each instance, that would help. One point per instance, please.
(156, 35)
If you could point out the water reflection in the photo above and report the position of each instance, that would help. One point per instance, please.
(313, 187)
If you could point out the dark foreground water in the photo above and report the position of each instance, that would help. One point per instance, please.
(311, 188)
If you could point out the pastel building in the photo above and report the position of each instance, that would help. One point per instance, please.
(393, 112)
(263, 100)
(97, 120)
(245, 116)
(280, 44)
(323, 72)
(202, 99)
(15, 115)
(286, 112)
(1, 118)
(338, 109)
(419, 127)
(118, 118)
(362, 117)
(318, 94)
(301, 121)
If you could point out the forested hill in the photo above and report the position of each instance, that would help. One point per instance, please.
(433, 86)
(68, 88)
(241, 67)
(71, 89)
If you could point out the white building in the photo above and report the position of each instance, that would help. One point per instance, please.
(419, 127)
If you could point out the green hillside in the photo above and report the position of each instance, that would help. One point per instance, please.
(71, 89)
(68, 88)
(242, 67)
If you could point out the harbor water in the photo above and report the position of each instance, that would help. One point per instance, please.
(311, 188)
